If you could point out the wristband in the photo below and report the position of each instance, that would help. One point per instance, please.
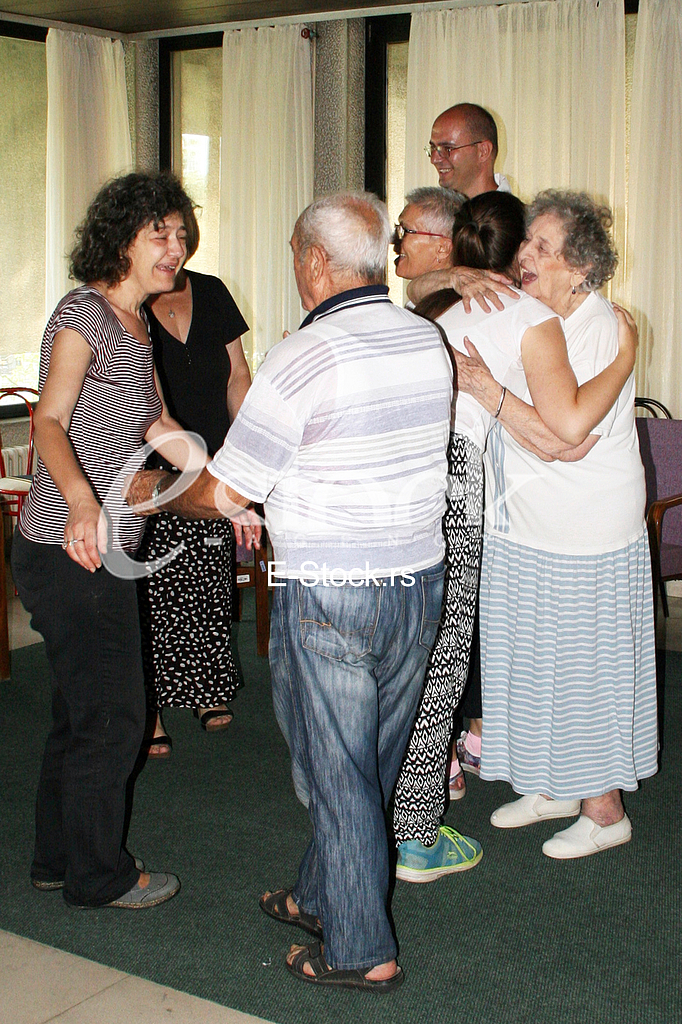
(499, 404)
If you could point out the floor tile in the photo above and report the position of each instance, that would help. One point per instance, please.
(20, 632)
(135, 1001)
(38, 982)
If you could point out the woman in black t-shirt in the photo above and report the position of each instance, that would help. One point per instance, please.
(186, 608)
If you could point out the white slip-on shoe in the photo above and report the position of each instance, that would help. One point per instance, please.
(586, 837)
(532, 808)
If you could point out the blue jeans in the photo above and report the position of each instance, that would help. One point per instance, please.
(347, 668)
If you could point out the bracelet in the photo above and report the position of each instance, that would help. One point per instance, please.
(499, 404)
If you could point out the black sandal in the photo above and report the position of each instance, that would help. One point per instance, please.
(323, 974)
(212, 713)
(274, 904)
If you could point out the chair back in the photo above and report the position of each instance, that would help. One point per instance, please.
(652, 406)
(660, 445)
(28, 396)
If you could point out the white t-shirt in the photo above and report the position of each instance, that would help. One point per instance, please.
(497, 336)
(587, 507)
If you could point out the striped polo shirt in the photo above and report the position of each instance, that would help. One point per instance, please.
(343, 436)
(116, 407)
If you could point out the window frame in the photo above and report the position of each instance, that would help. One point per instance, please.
(34, 34)
(18, 30)
(167, 47)
(379, 32)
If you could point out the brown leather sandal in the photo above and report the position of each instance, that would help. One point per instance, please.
(274, 904)
(323, 974)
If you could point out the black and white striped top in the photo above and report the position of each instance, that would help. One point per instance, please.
(117, 405)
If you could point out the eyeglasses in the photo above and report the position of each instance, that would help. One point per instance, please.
(445, 149)
(400, 231)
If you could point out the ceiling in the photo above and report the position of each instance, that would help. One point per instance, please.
(155, 15)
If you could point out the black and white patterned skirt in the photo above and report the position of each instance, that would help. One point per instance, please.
(186, 613)
(420, 790)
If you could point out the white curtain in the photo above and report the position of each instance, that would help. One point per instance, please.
(655, 201)
(88, 139)
(553, 76)
(266, 175)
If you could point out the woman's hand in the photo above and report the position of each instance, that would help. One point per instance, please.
(247, 526)
(628, 335)
(85, 533)
(482, 285)
(474, 377)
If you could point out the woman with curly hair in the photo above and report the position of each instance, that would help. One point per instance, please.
(98, 404)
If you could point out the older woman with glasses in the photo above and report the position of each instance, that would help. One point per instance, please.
(422, 239)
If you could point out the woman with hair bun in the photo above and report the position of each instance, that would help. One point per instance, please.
(523, 343)
(99, 403)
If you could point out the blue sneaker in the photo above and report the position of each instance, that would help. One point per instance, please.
(451, 852)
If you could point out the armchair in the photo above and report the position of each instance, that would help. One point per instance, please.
(660, 442)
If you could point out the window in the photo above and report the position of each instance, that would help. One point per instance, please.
(191, 111)
(396, 101)
(385, 99)
(23, 131)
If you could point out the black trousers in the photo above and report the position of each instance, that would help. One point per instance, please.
(92, 639)
(471, 706)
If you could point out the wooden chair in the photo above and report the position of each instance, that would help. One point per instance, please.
(660, 444)
(13, 489)
(252, 571)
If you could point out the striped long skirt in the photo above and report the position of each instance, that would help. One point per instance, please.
(569, 669)
(420, 791)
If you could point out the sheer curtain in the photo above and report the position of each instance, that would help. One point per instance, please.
(655, 229)
(553, 76)
(266, 175)
(88, 139)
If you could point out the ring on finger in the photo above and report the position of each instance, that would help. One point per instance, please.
(76, 540)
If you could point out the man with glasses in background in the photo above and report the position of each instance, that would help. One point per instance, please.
(463, 149)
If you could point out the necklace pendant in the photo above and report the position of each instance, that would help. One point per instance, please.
(171, 314)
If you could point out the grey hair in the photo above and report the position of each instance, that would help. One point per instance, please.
(353, 229)
(439, 205)
(586, 225)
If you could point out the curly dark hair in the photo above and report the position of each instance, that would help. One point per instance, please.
(586, 226)
(118, 212)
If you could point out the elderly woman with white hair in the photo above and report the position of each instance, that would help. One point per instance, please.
(569, 680)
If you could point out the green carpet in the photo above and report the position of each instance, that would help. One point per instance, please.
(518, 940)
